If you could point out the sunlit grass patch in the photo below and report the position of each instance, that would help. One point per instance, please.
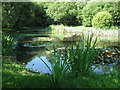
(15, 76)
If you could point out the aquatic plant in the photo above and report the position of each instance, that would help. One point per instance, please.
(78, 59)
(81, 55)
(58, 69)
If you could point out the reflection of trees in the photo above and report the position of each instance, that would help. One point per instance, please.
(26, 54)
(27, 38)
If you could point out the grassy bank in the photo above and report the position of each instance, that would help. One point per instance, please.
(15, 76)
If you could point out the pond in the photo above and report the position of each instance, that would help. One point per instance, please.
(29, 51)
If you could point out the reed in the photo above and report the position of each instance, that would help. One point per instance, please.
(81, 55)
(58, 69)
(77, 60)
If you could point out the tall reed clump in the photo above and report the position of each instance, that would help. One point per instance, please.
(77, 60)
(58, 69)
(81, 55)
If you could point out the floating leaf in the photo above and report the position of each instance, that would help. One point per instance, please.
(107, 51)
(113, 53)
(109, 55)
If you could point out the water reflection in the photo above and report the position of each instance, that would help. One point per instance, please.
(27, 54)
(31, 54)
(102, 69)
(37, 65)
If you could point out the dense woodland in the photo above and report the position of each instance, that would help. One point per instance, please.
(40, 14)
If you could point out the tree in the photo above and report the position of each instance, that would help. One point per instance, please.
(63, 13)
(23, 14)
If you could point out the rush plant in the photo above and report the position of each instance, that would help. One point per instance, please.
(77, 60)
(58, 69)
(81, 55)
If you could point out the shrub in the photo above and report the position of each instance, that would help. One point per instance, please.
(7, 44)
(9, 14)
(94, 7)
(102, 20)
(89, 11)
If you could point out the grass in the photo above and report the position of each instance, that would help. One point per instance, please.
(15, 76)
(24, 29)
(59, 32)
(110, 28)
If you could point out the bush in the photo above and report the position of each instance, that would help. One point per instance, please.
(102, 20)
(7, 44)
(58, 69)
(89, 11)
(94, 7)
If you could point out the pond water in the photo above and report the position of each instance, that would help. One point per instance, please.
(31, 52)
(38, 66)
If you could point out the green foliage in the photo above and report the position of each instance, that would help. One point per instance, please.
(63, 13)
(94, 7)
(77, 61)
(41, 14)
(22, 14)
(58, 69)
(88, 11)
(57, 31)
(113, 9)
(80, 57)
(7, 44)
(102, 19)
(80, 6)
(38, 16)
(9, 13)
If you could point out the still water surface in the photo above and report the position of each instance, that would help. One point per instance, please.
(30, 54)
